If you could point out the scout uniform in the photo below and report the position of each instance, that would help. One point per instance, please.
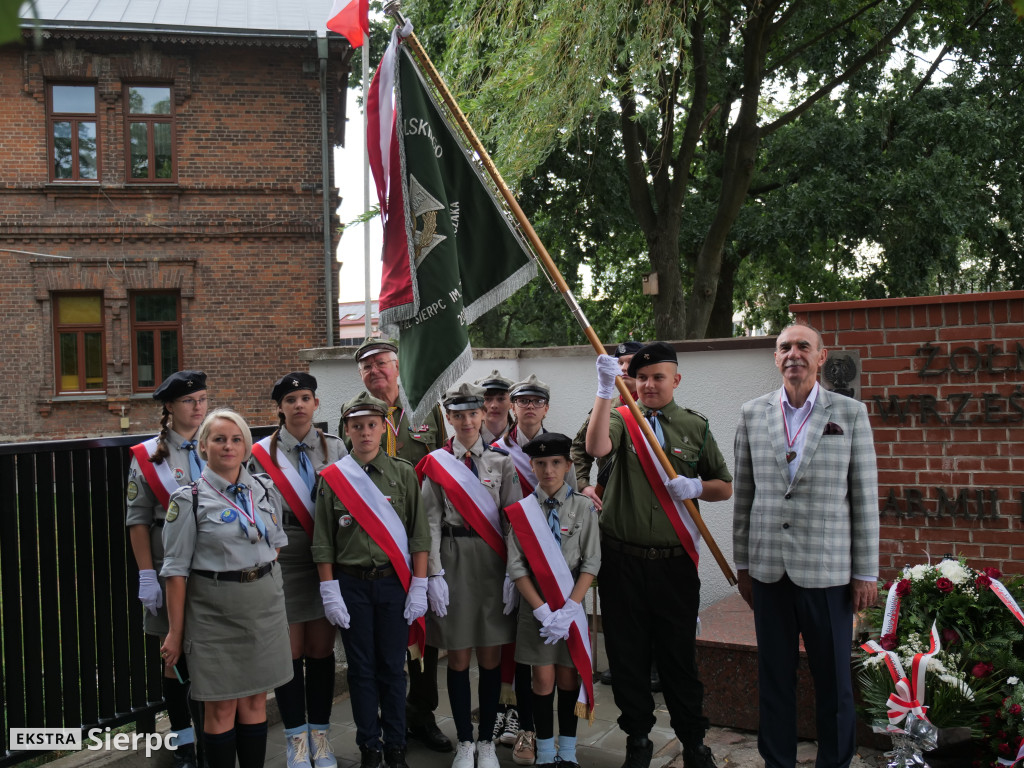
(178, 468)
(412, 442)
(649, 583)
(567, 523)
(375, 643)
(515, 440)
(236, 631)
(492, 383)
(311, 689)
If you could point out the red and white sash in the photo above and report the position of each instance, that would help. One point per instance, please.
(378, 518)
(555, 581)
(527, 478)
(289, 482)
(467, 495)
(159, 477)
(680, 519)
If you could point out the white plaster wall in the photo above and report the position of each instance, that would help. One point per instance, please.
(714, 382)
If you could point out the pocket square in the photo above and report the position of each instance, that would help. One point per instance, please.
(832, 429)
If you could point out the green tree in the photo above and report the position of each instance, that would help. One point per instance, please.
(787, 151)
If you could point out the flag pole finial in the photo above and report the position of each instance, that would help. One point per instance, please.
(393, 8)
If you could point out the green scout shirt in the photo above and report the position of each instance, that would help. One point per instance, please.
(337, 536)
(631, 511)
(413, 442)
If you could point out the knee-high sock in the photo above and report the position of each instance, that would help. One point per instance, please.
(251, 744)
(543, 715)
(176, 696)
(524, 696)
(567, 719)
(319, 689)
(488, 692)
(461, 700)
(220, 749)
(291, 697)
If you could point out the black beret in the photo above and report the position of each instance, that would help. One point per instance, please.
(627, 348)
(548, 444)
(292, 383)
(180, 384)
(652, 354)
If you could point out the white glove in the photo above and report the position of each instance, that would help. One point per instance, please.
(150, 594)
(607, 370)
(557, 626)
(437, 593)
(681, 488)
(542, 614)
(416, 599)
(334, 604)
(509, 595)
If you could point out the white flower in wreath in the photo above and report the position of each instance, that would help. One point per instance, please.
(954, 571)
(918, 572)
(1013, 680)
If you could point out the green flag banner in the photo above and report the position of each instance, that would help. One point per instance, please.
(451, 252)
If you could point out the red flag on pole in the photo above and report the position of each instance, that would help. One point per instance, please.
(350, 18)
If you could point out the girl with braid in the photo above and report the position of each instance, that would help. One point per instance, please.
(293, 457)
(158, 467)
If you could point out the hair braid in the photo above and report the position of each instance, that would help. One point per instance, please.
(162, 451)
(274, 438)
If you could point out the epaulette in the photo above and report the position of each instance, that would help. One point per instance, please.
(329, 436)
(400, 460)
(502, 451)
(696, 413)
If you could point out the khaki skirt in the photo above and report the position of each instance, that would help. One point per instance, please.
(530, 648)
(301, 581)
(475, 575)
(236, 637)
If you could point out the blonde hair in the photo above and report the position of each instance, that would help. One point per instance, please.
(234, 418)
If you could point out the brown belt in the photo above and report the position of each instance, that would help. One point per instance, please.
(244, 576)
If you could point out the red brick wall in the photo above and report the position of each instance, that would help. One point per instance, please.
(239, 235)
(943, 381)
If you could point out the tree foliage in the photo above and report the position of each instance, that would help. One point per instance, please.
(751, 153)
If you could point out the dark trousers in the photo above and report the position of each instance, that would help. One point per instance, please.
(422, 699)
(782, 612)
(375, 646)
(649, 613)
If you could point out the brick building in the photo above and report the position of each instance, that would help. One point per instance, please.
(943, 380)
(162, 207)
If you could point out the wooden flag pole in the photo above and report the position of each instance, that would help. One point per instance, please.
(393, 9)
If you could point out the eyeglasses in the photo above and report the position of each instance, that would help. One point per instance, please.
(192, 402)
(378, 365)
(530, 402)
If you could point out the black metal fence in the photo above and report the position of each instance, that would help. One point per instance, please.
(72, 650)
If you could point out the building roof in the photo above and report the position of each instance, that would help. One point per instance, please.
(289, 17)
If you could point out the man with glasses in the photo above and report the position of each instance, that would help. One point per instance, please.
(378, 367)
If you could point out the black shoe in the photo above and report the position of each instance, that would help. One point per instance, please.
(370, 759)
(698, 756)
(566, 763)
(606, 677)
(655, 681)
(395, 757)
(639, 750)
(185, 756)
(431, 737)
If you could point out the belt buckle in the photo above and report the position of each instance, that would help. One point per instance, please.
(652, 553)
(250, 574)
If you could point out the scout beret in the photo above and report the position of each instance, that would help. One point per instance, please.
(627, 348)
(180, 384)
(494, 380)
(530, 386)
(548, 444)
(292, 383)
(464, 397)
(375, 347)
(656, 352)
(364, 404)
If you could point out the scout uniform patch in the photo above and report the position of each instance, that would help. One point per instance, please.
(172, 512)
(133, 490)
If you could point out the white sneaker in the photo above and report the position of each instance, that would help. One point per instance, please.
(511, 728)
(323, 753)
(465, 753)
(485, 755)
(297, 751)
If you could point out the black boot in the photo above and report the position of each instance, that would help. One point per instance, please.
(639, 750)
(394, 757)
(370, 759)
(185, 756)
(698, 756)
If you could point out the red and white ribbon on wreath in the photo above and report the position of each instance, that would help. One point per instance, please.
(1004, 594)
(891, 617)
(909, 694)
(1020, 754)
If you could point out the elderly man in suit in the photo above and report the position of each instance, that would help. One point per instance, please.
(805, 541)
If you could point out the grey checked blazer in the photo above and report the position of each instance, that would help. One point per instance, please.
(822, 528)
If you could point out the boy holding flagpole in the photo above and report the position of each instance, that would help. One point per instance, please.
(370, 543)
(554, 553)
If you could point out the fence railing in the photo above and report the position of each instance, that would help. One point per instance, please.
(72, 650)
